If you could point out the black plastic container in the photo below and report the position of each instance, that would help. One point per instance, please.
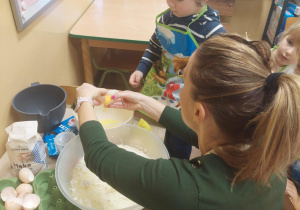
(44, 103)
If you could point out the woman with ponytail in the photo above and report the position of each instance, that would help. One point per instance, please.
(244, 119)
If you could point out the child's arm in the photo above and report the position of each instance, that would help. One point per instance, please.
(152, 54)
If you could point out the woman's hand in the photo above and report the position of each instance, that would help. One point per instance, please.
(88, 90)
(291, 191)
(137, 101)
(128, 100)
(86, 111)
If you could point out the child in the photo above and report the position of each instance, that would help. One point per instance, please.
(188, 16)
(179, 31)
(286, 53)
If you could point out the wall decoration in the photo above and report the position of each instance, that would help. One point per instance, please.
(26, 11)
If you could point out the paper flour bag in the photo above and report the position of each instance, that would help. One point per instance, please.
(25, 147)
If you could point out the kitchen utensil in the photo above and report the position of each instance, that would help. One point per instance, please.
(107, 117)
(62, 139)
(44, 103)
(126, 134)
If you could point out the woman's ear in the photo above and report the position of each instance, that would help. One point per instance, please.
(199, 112)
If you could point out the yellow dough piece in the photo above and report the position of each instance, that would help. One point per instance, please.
(107, 100)
(142, 123)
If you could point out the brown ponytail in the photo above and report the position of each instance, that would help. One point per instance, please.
(261, 126)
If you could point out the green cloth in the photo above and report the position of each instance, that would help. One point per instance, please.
(174, 183)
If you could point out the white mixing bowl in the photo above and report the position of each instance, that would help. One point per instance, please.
(130, 135)
(111, 118)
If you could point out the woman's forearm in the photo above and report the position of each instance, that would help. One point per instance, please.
(152, 107)
(86, 113)
(136, 101)
(86, 108)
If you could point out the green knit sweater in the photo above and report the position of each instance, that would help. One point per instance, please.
(202, 183)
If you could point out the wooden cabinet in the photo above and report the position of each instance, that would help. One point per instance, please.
(225, 9)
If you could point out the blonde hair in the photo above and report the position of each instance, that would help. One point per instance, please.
(293, 31)
(261, 127)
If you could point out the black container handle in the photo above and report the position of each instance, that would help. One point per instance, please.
(35, 84)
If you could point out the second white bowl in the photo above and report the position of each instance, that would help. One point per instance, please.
(111, 118)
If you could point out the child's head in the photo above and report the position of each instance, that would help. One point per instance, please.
(288, 47)
(184, 8)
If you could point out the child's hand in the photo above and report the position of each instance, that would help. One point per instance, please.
(291, 191)
(135, 78)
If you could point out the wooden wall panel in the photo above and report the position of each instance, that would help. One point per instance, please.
(225, 7)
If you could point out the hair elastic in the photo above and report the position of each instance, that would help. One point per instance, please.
(272, 81)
